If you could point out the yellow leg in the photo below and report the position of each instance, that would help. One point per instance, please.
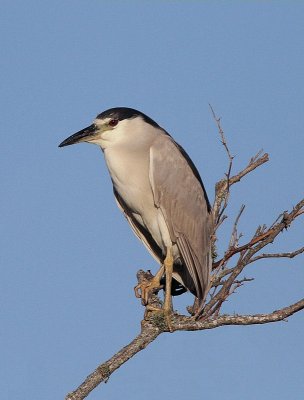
(144, 289)
(168, 264)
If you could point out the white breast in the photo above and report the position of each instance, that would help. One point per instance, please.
(129, 171)
(129, 174)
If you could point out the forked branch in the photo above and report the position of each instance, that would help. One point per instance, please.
(153, 327)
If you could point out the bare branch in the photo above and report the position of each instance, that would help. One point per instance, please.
(102, 373)
(234, 236)
(246, 253)
(254, 158)
(221, 132)
(234, 250)
(154, 326)
(239, 282)
(253, 164)
(221, 187)
(218, 215)
(278, 255)
(188, 324)
(265, 237)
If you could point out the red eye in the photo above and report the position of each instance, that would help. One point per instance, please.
(113, 122)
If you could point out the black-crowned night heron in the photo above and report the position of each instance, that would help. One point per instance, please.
(160, 192)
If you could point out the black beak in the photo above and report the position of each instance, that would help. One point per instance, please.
(79, 136)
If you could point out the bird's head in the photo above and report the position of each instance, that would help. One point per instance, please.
(112, 126)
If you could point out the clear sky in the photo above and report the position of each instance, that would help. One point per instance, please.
(68, 257)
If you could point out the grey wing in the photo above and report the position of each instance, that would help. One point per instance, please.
(181, 197)
(146, 238)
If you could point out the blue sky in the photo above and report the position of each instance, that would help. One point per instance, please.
(68, 257)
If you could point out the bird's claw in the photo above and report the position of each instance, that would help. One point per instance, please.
(146, 289)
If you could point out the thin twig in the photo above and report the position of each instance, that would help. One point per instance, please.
(250, 167)
(291, 254)
(221, 132)
(218, 283)
(221, 186)
(225, 195)
(235, 250)
(234, 236)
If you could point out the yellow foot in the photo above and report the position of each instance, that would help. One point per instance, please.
(145, 289)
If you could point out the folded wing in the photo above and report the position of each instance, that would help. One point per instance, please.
(179, 193)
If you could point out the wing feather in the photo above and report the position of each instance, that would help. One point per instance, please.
(179, 193)
(146, 238)
(139, 230)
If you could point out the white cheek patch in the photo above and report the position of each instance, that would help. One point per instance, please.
(125, 132)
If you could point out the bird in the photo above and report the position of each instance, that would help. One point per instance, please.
(160, 192)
